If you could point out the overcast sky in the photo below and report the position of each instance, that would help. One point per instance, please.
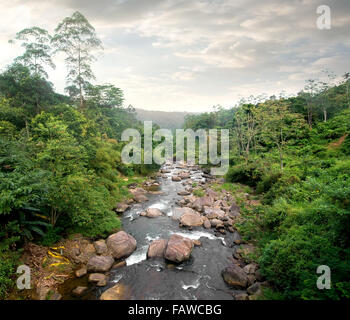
(188, 55)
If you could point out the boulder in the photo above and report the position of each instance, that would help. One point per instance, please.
(175, 178)
(234, 211)
(140, 197)
(156, 248)
(81, 272)
(235, 276)
(191, 219)
(100, 247)
(178, 249)
(216, 223)
(199, 203)
(241, 296)
(250, 268)
(118, 292)
(153, 213)
(184, 175)
(99, 278)
(207, 224)
(79, 291)
(122, 207)
(121, 244)
(178, 212)
(99, 263)
(213, 213)
(184, 193)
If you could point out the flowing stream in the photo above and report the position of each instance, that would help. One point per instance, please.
(197, 278)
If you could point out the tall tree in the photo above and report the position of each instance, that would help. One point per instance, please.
(279, 125)
(76, 37)
(36, 42)
(347, 86)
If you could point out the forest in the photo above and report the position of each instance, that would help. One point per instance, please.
(61, 171)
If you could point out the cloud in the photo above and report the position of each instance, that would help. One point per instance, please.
(183, 54)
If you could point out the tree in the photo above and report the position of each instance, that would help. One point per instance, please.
(310, 94)
(279, 125)
(246, 127)
(25, 90)
(347, 86)
(36, 42)
(324, 92)
(76, 38)
(105, 95)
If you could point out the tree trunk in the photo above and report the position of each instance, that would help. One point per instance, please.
(324, 115)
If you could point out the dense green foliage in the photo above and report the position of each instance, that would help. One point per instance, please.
(60, 157)
(301, 171)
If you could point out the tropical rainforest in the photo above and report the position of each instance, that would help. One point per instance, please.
(61, 170)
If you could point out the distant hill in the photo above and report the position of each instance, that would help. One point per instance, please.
(166, 120)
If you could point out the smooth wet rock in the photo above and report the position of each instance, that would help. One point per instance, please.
(175, 178)
(121, 244)
(81, 272)
(178, 249)
(184, 175)
(140, 197)
(100, 247)
(99, 278)
(207, 224)
(235, 276)
(118, 292)
(79, 291)
(234, 211)
(184, 193)
(157, 248)
(191, 219)
(153, 213)
(178, 212)
(100, 263)
(200, 202)
(250, 268)
(241, 296)
(122, 207)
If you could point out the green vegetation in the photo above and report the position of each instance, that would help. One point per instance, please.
(60, 156)
(294, 153)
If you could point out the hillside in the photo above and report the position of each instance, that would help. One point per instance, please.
(165, 119)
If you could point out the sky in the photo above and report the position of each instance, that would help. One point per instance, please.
(189, 55)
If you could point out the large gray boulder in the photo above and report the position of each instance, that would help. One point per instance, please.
(178, 249)
(153, 213)
(99, 263)
(235, 276)
(191, 219)
(121, 244)
(156, 248)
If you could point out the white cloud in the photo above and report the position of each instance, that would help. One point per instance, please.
(183, 55)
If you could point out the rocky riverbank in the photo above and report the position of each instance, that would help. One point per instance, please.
(194, 212)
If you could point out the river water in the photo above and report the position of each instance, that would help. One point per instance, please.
(197, 278)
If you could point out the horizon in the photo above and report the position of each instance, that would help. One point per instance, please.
(205, 53)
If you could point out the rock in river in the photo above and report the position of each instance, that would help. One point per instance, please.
(153, 213)
(235, 276)
(191, 219)
(100, 246)
(121, 244)
(118, 292)
(178, 249)
(100, 263)
(156, 248)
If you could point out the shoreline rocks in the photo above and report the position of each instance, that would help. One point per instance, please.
(178, 249)
(121, 244)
